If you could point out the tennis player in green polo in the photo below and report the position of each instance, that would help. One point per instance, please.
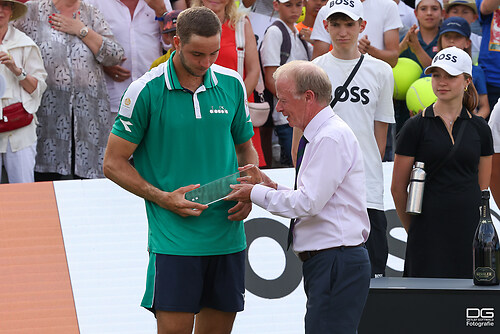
(187, 123)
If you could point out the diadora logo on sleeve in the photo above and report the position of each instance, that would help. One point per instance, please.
(126, 125)
(221, 110)
(445, 56)
(349, 3)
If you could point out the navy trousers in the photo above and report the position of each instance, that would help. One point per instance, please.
(336, 283)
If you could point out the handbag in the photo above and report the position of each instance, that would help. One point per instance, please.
(14, 117)
(259, 111)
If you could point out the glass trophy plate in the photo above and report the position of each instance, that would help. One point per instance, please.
(219, 189)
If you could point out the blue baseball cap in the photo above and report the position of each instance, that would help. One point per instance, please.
(456, 24)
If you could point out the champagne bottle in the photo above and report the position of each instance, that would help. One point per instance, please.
(486, 247)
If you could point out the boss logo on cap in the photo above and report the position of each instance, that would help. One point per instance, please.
(445, 56)
(349, 3)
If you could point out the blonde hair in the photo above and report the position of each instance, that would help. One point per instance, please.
(230, 11)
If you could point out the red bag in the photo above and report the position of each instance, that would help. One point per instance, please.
(14, 117)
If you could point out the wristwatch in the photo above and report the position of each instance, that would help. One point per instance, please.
(83, 32)
(23, 75)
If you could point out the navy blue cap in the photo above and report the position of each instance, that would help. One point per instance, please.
(456, 24)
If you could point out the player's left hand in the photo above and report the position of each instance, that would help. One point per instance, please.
(240, 211)
(364, 45)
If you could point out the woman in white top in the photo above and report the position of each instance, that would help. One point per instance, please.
(24, 74)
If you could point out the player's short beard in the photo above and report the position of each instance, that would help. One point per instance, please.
(185, 65)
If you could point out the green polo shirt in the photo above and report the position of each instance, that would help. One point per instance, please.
(187, 138)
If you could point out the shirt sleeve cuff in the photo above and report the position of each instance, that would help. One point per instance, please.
(258, 195)
(281, 187)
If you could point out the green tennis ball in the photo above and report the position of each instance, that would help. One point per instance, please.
(420, 95)
(302, 15)
(405, 73)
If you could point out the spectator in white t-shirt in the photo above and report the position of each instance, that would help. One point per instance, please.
(270, 54)
(380, 38)
(407, 15)
(366, 106)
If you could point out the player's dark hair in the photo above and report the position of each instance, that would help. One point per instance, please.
(199, 21)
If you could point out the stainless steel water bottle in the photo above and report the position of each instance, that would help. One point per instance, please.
(416, 192)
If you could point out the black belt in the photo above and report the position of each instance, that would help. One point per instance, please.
(306, 255)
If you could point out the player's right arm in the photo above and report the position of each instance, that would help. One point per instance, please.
(118, 169)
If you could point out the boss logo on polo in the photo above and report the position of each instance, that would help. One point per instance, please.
(445, 56)
(221, 110)
(349, 3)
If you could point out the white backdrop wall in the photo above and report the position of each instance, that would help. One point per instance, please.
(105, 236)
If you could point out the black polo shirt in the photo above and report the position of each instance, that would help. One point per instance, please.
(426, 138)
(440, 238)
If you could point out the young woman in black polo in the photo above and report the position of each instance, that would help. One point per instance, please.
(456, 147)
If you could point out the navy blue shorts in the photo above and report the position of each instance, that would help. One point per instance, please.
(189, 283)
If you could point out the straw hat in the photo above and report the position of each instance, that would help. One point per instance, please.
(19, 9)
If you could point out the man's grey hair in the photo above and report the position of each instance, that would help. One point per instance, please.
(307, 76)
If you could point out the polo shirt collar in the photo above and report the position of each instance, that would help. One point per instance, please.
(315, 124)
(431, 44)
(172, 81)
(429, 113)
